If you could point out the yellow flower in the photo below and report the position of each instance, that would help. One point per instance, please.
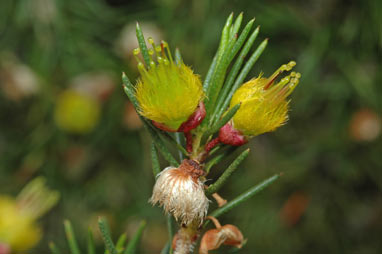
(76, 113)
(18, 227)
(264, 106)
(168, 93)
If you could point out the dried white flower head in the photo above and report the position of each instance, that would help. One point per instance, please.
(181, 192)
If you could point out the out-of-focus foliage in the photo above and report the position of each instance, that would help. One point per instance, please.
(329, 198)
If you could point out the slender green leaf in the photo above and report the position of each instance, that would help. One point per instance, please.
(245, 196)
(219, 65)
(170, 228)
(178, 139)
(131, 247)
(240, 41)
(154, 160)
(219, 157)
(91, 244)
(211, 70)
(142, 45)
(236, 25)
(53, 248)
(216, 127)
(121, 243)
(129, 90)
(71, 238)
(227, 173)
(106, 236)
(220, 106)
(244, 72)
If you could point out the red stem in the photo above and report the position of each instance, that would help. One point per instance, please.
(188, 136)
(212, 144)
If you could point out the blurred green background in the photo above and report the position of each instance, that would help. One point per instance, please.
(63, 115)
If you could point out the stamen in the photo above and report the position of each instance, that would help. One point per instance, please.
(140, 65)
(293, 83)
(165, 45)
(284, 67)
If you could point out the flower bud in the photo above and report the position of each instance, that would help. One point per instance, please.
(264, 105)
(181, 192)
(168, 93)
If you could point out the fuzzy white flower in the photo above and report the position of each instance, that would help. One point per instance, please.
(181, 192)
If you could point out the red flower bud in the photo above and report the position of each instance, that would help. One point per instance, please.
(230, 136)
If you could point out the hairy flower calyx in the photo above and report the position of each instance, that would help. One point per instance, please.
(181, 192)
(168, 93)
(264, 106)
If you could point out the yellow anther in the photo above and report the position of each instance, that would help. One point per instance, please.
(151, 41)
(136, 51)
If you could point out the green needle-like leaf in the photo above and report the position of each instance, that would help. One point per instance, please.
(121, 243)
(223, 121)
(170, 228)
(213, 161)
(240, 41)
(154, 160)
(131, 247)
(218, 158)
(129, 90)
(211, 70)
(106, 236)
(227, 173)
(220, 105)
(243, 74)
(91, 244)
(236, 25)
(71, 238)
(53, 248)
(218, 74)
(142, 45)
(178, 139)
(244, 197)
